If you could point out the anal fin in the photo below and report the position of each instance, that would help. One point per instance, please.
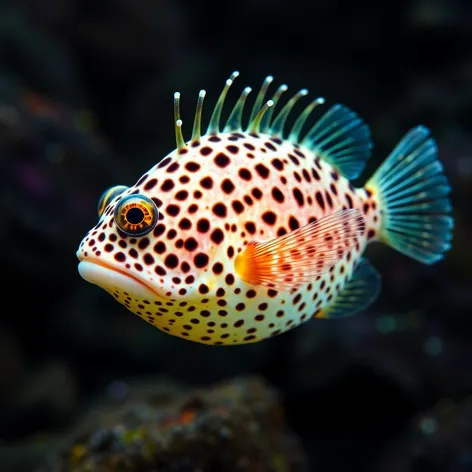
(360, 292)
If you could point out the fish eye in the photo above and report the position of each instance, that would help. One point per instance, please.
(136, 215)
(107, 196)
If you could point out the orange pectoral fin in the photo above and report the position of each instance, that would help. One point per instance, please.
(289, 261)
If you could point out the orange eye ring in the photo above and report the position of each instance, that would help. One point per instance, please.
(107, 196)
(136, 215)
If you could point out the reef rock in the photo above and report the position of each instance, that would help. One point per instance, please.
(234, 426)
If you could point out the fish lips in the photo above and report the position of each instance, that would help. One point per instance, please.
(112, 278)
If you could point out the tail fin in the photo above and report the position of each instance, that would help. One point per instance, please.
(412, 194)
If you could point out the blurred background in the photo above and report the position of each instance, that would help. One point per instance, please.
(86, 91)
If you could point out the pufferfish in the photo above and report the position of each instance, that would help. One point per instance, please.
(246, 232)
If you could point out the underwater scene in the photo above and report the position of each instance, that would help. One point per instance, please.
(236, 236)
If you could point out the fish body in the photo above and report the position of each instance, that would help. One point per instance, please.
(243, 234)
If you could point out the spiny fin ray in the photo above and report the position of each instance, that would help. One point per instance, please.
(289, 261)
(267, 118)
(214, 125)
(301, 120)
(277, 127)
(179, 139)
(197, 122)
(260, 97)
(360, 292)
(234, 122)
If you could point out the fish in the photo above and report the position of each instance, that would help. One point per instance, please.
(255, 227)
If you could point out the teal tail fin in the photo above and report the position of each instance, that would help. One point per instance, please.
(412, 193)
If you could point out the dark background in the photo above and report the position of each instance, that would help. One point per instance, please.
(86, 90)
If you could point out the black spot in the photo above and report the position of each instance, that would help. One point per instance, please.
(206, 150)
(220, 210)
(320, 200)
(173, 167)
(238, 207)
(120, 257)
(256, 193)
(262, 170)
(329, 200)
(230, 252)
(227, 186)
(193, 208)
(181, 195)
(217, 268)
(244, 174)
(270, 146)
(167, 185)
(191, 244)
(222, 160)
(281, 231)
(192, 166)
(185, 224)
(294, 159)
(164, 162)
(269, 217)
(172, 210)
(143, 243)
(277, 195)
(203, 289)
(151, 184)
(171, 261)
(240, 307)
(203, 225)
(315, 174)
(160, 247)
(370, 234)
(229, 279)
(306, 175)
(298, 195)
(250, 227)
(159, 230)
(148, 259)
(207, 183)
(232, 149)
(171, 234)
(349, 201)
(200, 260)
(251, 293)
(217, 236)
(293, 223)
(248, 199)
(185, 179)
(278, 164)
(214, 139)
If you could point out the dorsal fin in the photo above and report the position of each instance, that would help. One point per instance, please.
(340, 137)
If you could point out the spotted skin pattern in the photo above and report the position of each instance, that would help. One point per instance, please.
(215, 195)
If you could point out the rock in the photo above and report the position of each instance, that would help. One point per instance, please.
(234, 426)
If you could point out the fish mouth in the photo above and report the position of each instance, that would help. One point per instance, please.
(110, 277)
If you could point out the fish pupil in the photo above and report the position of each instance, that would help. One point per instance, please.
(135, 216)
